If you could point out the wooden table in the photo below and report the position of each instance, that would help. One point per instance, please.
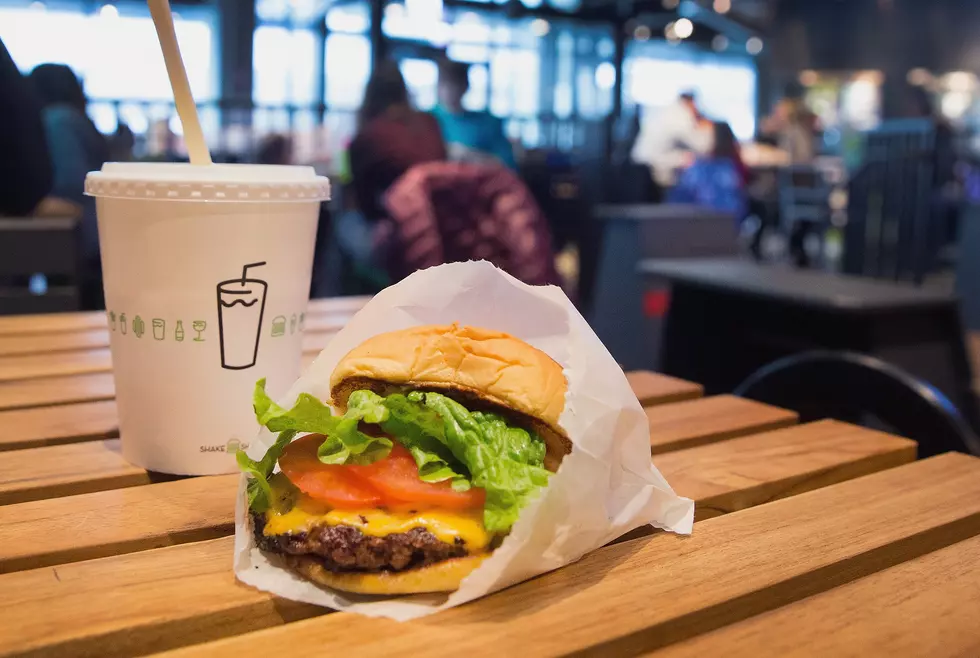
(816, 539)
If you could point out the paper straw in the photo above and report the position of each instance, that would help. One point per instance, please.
(163, 20)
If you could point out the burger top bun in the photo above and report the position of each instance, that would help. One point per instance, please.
(489, 368)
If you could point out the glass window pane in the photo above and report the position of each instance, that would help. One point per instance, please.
(527, 83)
(135, 117)
(272, 10)
(421, 76)
(351, 18)
(117, 56)
(103, 115)
(348, 65)
(283, 66)
(475, 99)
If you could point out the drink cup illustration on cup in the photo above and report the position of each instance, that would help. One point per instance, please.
(241, 303)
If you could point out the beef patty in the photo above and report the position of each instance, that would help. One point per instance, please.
(345, 548)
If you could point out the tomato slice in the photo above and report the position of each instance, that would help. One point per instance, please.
(392, 481)
(337, 486)
(397, 478)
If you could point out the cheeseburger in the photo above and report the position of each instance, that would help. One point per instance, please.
(444, 434)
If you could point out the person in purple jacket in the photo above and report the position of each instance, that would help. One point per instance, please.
(716, 180)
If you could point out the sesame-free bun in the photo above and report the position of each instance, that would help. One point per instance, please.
(476, 366)
(442, 576)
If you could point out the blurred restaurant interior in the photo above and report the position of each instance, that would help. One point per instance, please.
(834, 191)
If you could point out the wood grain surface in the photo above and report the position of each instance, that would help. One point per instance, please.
(688, 424)
(46, 532)
(36, 427)
(48, 391)
(144, 599)
(651, 592)
(67, 470)
(13, 368)
(42, 426)
(923, 608)
(740, 473)
(655, 388)
(28, 325)
(317, 329)
(14, 325)
(48, 364)
(64, 341)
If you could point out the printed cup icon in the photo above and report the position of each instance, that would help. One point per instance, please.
(159, 329)
(279, 326)
(241, 303)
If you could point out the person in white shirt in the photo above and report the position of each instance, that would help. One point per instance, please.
(670, 139)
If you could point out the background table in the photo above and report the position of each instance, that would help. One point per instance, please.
(729, 318)
(823, 533)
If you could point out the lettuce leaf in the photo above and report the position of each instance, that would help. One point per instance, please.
(343, 442)
(420, 429)
(258, 489)
(507, 462)
(447, 441)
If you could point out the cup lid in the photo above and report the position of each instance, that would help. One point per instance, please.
(216, 182)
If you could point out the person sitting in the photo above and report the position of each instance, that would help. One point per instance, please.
(25, 165)
(470, 136)
(445, 212)
(716, 180)
(670, 139)
(76, 147)
(75, 144)
(391, 138)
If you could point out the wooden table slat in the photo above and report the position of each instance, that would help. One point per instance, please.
(44, 426)
(76, 341)
(656, 388)
(13, 325)
(52, 364)
(40, 426)
(156, 599)
(696, 422)
(27, 366)
(925, 607)
(31, 325)
(53, 342)
(648, 593)
(48, 391)
(67, 470)
(48, 532)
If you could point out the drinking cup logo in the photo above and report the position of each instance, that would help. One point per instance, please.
(241, 304)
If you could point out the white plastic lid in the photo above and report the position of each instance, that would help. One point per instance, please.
(217, 182)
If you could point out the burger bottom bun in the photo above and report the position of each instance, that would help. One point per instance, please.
(442, 576)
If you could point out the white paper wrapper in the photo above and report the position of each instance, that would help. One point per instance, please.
(606, 487)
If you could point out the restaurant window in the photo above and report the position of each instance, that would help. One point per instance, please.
(725, 85)
(114, 50)
(284, 66)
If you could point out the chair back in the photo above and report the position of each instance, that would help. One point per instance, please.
(865, 390)
(804, 195)
(45, 247)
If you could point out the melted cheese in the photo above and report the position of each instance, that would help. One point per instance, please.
(293, 512)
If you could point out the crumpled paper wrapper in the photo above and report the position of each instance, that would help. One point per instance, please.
(606, 487)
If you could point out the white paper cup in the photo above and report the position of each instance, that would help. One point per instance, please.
(207, 276)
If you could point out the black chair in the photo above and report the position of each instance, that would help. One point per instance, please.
(48, 247)
(863, 390)
(804, 207)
